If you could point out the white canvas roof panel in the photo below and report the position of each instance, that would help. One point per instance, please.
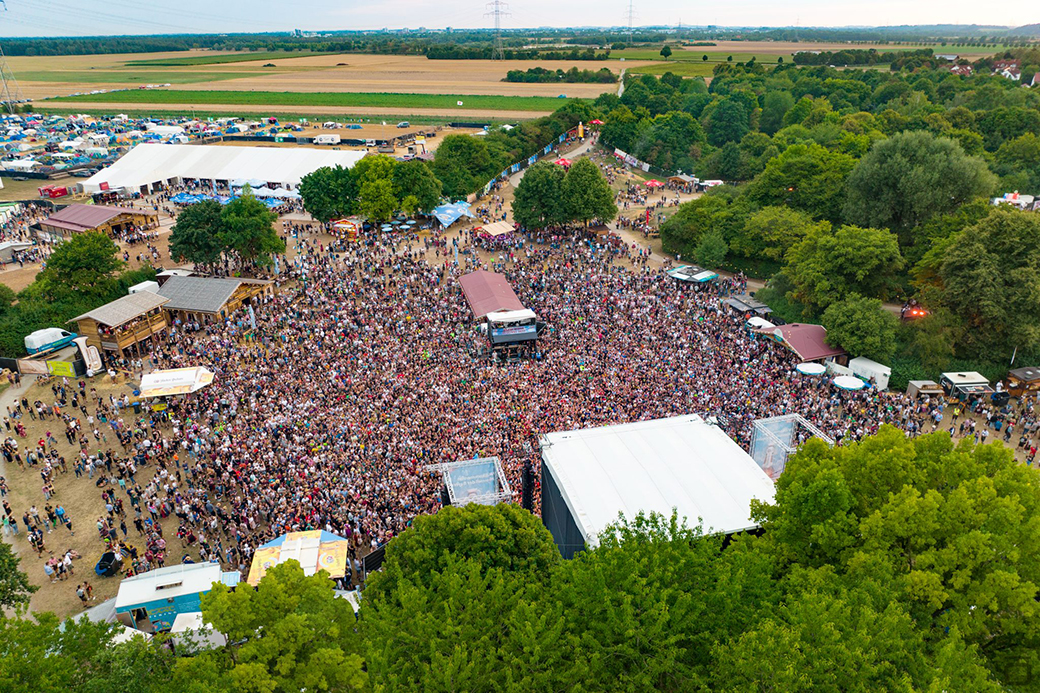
(166, 583)
(681, 462)
(150, 163)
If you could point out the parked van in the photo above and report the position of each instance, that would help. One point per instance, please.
(327, 139)
(48, 338)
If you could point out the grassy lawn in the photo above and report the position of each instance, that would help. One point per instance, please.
(124, 76)
(18, 190)
(683, 69)
(363, 99)
(219, 59)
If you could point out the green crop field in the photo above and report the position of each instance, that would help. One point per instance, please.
(218, 59)
(339, 99)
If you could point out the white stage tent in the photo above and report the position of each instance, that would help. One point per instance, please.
(153, 164)
(683, 462)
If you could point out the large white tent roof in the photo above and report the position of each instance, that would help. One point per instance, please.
(681, 462)
(149, 163)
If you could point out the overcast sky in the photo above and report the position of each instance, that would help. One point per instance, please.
(73, 18)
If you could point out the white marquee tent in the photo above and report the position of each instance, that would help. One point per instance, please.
(683, 462)
(154, 164)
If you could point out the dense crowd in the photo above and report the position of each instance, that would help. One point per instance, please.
(332, 397)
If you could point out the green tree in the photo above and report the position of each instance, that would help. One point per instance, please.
(775, 105)
(376, 200)
(15, 588)
(772, 231)
(464, 164)
(666, 52)
(497, 536)
(328, 193)
(248, 230)
(644, 608)
(49, 656)
(196, 237)
(990, 279)
(587, 195)
(909, 178)
(85, 265)
(539, 200)
(681, 233)
(862, 327)
(712, 248)
(289, 634)
(727, 123)
(826, 266)
(807, 177)
(416, 179)
(833, 639)
(878, 513)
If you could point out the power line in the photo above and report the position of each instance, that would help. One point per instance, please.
(498, 9)
(11, 94)
(631, 15)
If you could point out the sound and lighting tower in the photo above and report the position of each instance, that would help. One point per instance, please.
(497, 9)
(11, 94)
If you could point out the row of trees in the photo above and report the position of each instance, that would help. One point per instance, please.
(540, 75)
(240, 234)
(548, 197)
(859, 581)
(377, 187)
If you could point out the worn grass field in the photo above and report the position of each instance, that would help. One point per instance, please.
(364, 100)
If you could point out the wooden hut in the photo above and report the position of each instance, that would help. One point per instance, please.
(124, 324)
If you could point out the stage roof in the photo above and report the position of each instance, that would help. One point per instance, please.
(681, 462)
(150, 163)
(488, 292)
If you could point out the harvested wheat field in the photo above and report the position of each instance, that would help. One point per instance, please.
(42, 77)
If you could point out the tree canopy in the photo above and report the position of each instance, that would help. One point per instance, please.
(197, 235)
(862, 327)
(828, 265)
(910, 177)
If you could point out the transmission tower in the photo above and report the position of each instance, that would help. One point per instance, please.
(11, 94)
(631, 15)
(497, 9)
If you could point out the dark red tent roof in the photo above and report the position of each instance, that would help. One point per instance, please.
(808, 341)
(488, 292)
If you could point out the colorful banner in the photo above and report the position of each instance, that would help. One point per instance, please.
(61, 368)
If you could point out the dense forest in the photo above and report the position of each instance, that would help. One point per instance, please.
(854, 186)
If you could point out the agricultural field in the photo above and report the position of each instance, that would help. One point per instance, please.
(216, 59)
(413, 85)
